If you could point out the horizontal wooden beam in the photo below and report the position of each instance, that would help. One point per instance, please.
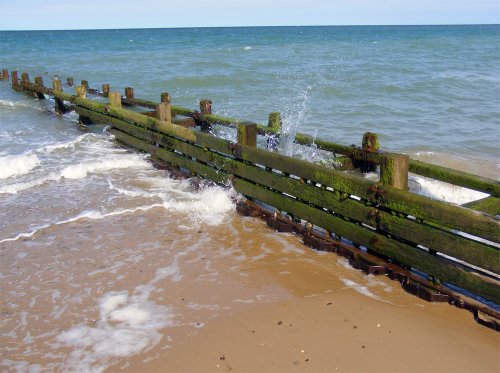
(404, 254)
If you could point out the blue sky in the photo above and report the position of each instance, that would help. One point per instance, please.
(91, 14)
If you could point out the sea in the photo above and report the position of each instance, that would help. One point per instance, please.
(104, 257)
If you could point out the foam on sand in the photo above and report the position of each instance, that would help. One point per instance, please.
(126, 326)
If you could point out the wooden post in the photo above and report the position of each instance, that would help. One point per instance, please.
(163, 111)
(369, 143)
(105, 90)
(59, 104)
(15, 79)
(71, 82)
(39, 82)
(205, 107)
(247, 134)
(129, 93)
(5, 74)
(115, 99)
(25, 78)
(394, 170)
(81, 91)
(85, 83)
(275, 121)
(56, 85)
(165, 97)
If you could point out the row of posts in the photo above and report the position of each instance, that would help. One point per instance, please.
(393, 167)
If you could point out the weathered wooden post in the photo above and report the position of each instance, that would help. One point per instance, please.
(5, 74)
(85, 83)
(81, 91)
(25, 78)
(164, 97)
(394, 170)
(163, 110)
(15, 79)
(115, 99)
(71, 82)
(39, 82)
(205, 106)
(105, 90)
(369, 143)
(247, 134)
(129, 93)
(275, 121)
(59, 104)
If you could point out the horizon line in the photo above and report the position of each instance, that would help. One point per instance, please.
(253, 26)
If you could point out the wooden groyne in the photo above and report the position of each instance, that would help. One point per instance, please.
(423, 243)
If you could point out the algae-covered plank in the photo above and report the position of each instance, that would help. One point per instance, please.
(401, 201)
(171, 157)
(459, 247)
(489, 205)
(405, 254)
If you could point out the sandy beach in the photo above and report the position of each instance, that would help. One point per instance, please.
(324, 322)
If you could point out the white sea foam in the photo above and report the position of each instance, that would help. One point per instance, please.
(210, 205)
(81, 170)
(16, 165)
(359, 288)
(443, 191)
(47, 149)
(20, 104)
(78, 171)
(247, 48)
(127, 325)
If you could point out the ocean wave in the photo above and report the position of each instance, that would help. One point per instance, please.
(21, 104)
(78, 171)
(50, 148)
(89, 214)
(16, 165)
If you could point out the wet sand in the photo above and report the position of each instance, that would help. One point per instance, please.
(144, 292)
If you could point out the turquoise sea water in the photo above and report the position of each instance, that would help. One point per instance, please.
(422, 88)
(99, 249)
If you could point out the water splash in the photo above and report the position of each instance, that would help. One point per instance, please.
(294, 117)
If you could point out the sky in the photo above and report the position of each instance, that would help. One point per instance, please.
(102, 14)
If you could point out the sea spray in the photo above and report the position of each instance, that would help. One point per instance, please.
(294, 117)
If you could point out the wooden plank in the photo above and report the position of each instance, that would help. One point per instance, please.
(461, 248)
(171, 157)
(489, 205)
(407, 255)
(418, 206)
(455, 177)
(421, 207)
